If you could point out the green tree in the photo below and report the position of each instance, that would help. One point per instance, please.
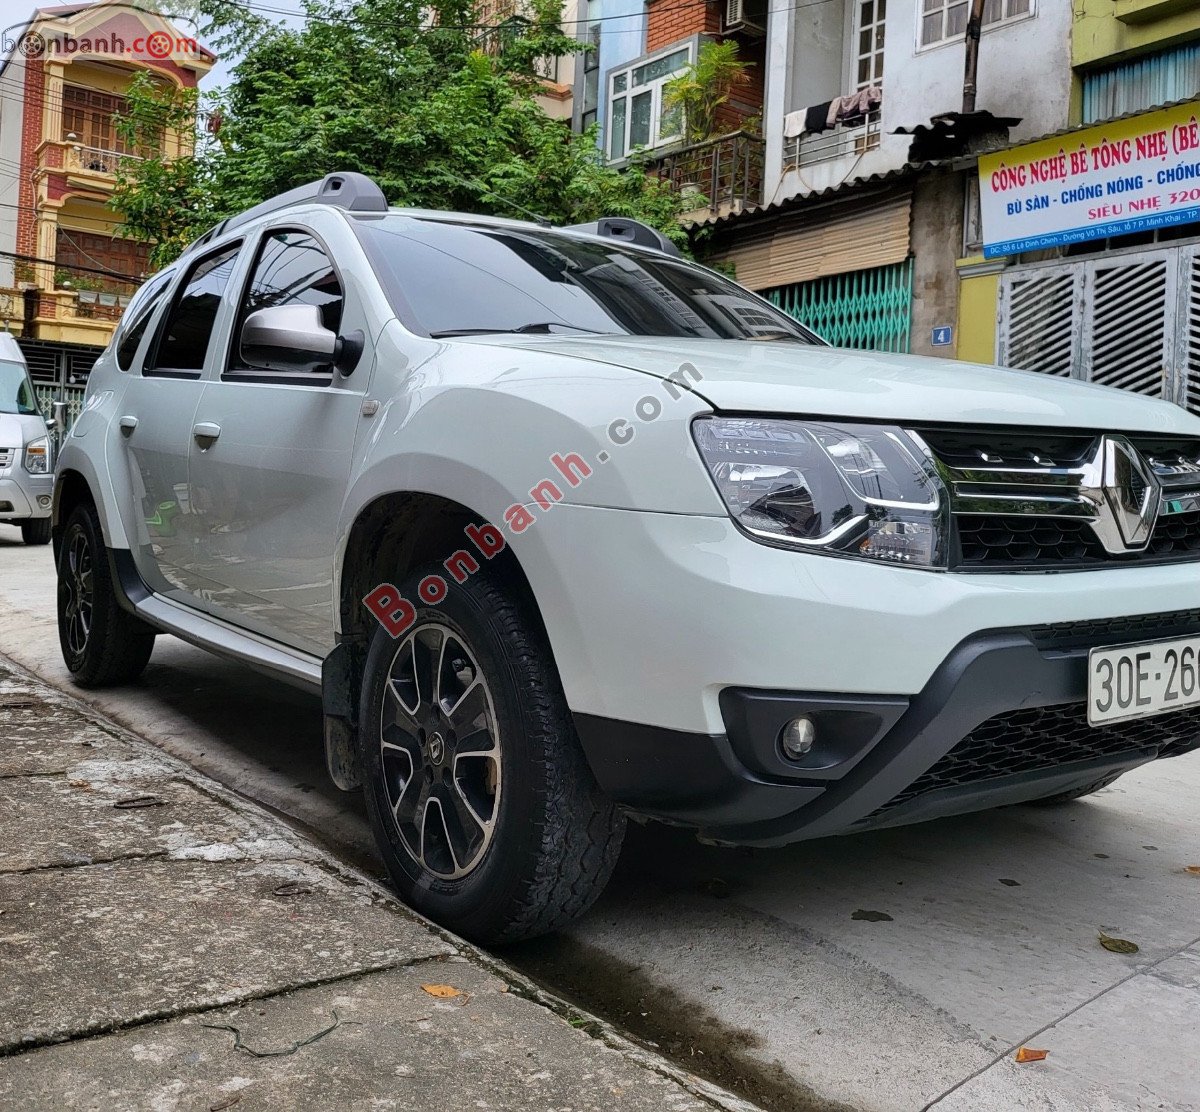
(435, 107)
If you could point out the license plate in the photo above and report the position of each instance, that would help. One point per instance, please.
(1136, 681)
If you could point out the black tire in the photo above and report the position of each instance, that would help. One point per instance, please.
(554, 837)
(36, 531)
(102, 644)
(1077, 793)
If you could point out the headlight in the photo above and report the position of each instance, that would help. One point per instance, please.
(866, 491)
(37, 456)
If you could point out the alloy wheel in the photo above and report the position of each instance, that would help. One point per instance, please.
(78, 583)
(440, 750)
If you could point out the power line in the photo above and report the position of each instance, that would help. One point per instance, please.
(137, 280)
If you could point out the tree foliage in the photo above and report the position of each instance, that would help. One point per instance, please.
(705, 86)
(435, 107)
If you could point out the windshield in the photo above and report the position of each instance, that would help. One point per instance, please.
(448, 279)
(16, 395)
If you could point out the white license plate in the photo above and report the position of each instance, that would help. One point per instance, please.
(1136, 681)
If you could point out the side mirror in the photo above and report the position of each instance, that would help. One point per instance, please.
(292, 338)
(59, 411)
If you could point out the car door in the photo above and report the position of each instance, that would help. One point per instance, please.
(269, 480)
(154, 429)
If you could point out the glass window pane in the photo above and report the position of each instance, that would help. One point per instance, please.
(660, 67)
(619, 82)
(616, 146)
(1018, 7)
(931, 29)
(184, 343)
(670, 124)
(864, 42)
(591, 87)
(639, 121)
(956, 21)
(881, 10)
(933, 5)
(866, 13)
(450, 277)
(133, 326)
(992, 11)
(864, 72)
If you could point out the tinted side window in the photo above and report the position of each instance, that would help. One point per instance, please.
(183, 342)
(137, 319)
(292, 269)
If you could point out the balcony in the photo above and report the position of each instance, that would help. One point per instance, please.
(839, 142)
(95, 160)
(721, 175)
(63, 316)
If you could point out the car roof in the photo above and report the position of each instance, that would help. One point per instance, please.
(10, 350)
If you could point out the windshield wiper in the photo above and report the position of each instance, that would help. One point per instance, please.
(537, 327)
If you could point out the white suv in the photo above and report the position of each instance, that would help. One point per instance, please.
(562, 526)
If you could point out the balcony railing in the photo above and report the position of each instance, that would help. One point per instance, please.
(719, 174)
(823, 146)
(97, 160)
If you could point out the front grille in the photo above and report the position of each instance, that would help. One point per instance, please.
(1039, 501)
(1067, 636)
(1040, 739)
(6, 455)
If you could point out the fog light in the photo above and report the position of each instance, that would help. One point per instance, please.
(43, 500)
(798, 736)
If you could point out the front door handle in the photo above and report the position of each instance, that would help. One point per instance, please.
(127, 424)
(206, 433)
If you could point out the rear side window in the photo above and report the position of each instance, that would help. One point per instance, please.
(137, 319)
(185, 337)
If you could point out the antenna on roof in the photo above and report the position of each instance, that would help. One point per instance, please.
(537, 218)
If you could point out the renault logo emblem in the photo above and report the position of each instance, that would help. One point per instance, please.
(1126, 495)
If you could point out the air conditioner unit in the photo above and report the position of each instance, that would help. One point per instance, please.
(746, 17)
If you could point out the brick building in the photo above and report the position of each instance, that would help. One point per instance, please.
(66, 272)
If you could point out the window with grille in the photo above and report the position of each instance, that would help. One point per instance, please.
(946, 20)
(869, 17)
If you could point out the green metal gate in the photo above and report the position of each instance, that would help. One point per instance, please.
(870, 309)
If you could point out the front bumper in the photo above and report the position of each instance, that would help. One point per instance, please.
(1001, 721)
(19, 492)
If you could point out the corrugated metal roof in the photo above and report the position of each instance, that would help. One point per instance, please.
(908, 170)
(1100, 123)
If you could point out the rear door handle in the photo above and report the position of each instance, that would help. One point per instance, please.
(127, 424)
(205, 433)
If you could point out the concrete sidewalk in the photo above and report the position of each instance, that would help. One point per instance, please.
(166, 945)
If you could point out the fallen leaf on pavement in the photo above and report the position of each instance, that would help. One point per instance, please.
(1028, 1054)
(1193, 869)
(442, 992)
(1118, 945)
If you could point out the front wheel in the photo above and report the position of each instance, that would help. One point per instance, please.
(483, 805)
(36, 531)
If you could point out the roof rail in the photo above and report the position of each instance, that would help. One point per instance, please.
(628, 231)
(350, 191)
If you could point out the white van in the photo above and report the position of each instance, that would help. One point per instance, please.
(26, 451)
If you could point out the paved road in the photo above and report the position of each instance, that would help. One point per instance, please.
(980, 934)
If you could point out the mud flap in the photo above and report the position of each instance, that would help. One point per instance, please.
(339, 705)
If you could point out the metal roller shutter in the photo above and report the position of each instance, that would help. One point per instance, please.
(818, 242)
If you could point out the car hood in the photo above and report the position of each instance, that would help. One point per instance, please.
(784, 377)
(17, 430)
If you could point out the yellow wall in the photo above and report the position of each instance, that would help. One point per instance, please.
(978, 296)
(1106, 30)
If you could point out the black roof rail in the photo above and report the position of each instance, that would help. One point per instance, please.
(628, 231)
(350, 191)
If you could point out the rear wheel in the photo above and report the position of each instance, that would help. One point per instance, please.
(101, 643)
(36, 531)
(479, 795)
